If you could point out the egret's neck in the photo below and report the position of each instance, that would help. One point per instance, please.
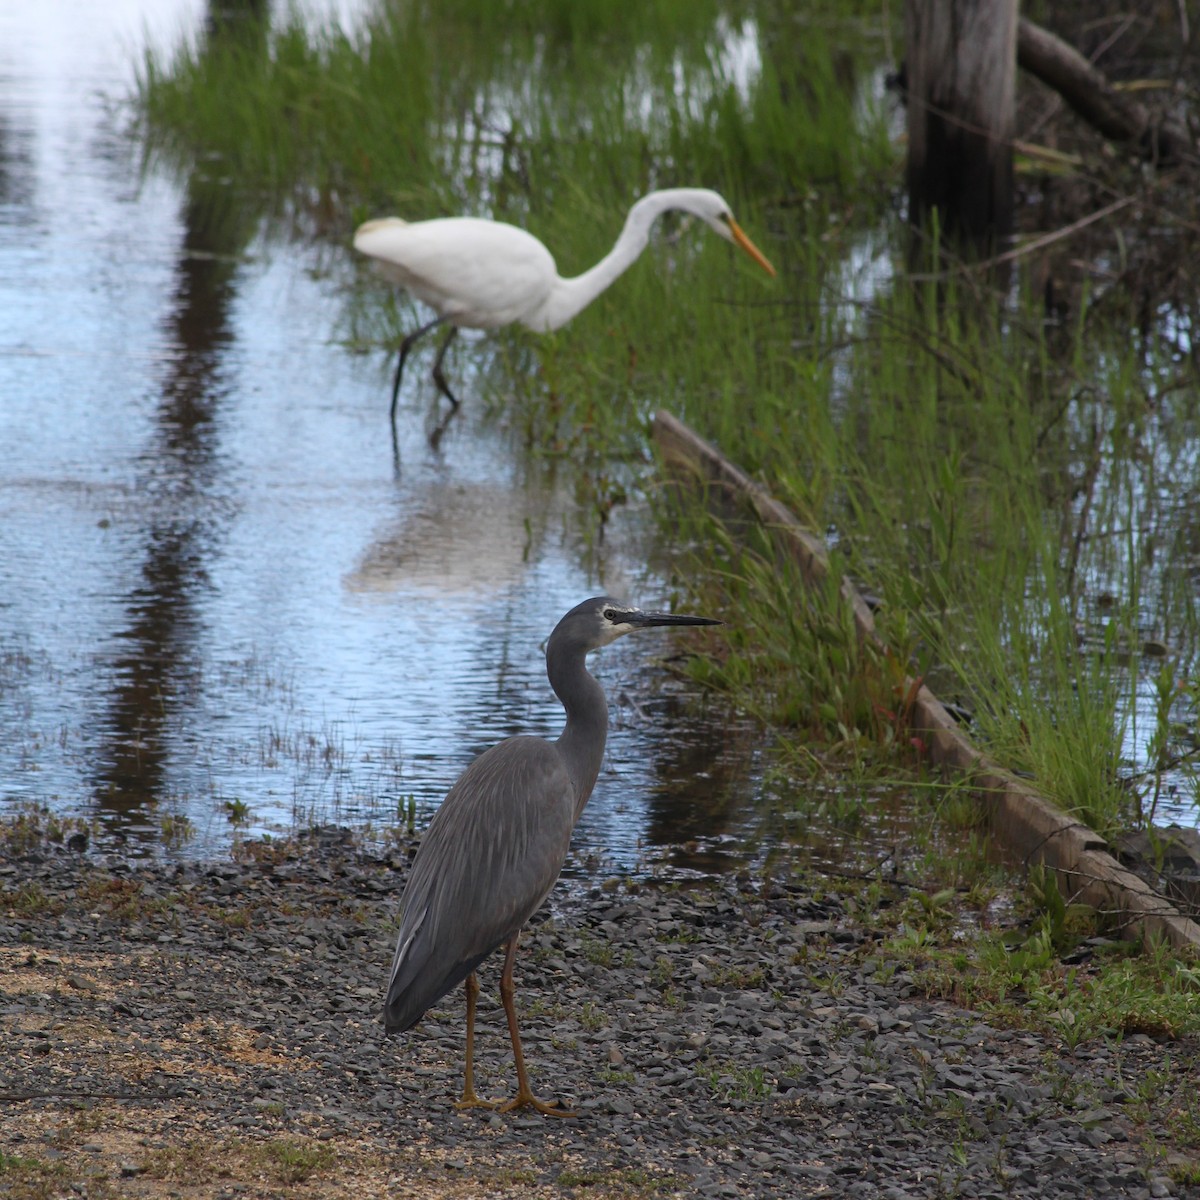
(582, 740)
(571, 296)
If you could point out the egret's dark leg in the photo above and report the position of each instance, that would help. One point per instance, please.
(405, 347)
(438, 377)
(469, 1098)
(524, 1097)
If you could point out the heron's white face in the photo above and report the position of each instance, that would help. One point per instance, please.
(615, 621)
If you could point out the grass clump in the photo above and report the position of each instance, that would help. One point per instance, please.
(431, 103)
(734, 1081)
(282, 1161)
(1018, 976)
(946, 472)
(32, 825)
(294, 1161)
(625, 1181)
(123, 899)
(271, 107)
(24, 1178)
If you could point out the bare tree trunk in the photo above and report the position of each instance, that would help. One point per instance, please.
(961, 67)
(1089, 93)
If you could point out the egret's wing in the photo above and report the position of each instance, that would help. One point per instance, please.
(477, 273)
(489, 858)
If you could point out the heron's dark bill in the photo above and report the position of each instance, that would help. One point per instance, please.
(661, 618)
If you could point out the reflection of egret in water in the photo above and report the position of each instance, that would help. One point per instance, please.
(180, 487)
(456, 539)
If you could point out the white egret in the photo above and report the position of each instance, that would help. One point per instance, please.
(480, 274)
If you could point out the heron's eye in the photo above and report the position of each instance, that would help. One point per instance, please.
(610, 615)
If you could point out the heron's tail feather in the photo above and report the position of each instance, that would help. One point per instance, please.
(404, 945)
(420, 977)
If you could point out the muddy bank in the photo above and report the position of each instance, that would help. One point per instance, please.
(209, 1030)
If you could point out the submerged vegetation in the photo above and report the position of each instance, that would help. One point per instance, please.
(1013, 476)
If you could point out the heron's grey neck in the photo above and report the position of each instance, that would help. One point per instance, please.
(572, 296)
(581, 743)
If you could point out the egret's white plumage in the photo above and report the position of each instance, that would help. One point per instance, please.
(480, 274)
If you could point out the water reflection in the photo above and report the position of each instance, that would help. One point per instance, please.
(180, 483)
(702, 778)
(180, 490)
(16, 175)
(459, 533)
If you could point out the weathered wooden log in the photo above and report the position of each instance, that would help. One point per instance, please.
(1115, 115)
(960, 66)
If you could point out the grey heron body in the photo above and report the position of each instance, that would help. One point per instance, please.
(496, 845)
(481, 274)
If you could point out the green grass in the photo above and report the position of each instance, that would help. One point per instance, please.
(31, 825)
(623, 1181)
(733, 1081)
(1025, 985)
(281, 1160)
(427, 109)
(952, 492)
(29, 900)
(25, 1178)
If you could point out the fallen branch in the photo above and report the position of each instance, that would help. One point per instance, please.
(1040, 242)
(1117, 116)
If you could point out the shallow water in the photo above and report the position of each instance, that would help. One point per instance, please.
(218, 587)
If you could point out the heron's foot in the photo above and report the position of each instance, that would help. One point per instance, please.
(526, 1099)
(470, 1100)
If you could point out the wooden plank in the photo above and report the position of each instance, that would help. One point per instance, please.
(1022, 821)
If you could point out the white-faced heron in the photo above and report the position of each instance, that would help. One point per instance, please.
(495, 847)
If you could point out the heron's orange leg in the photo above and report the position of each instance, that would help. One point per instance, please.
(524, 1097)
(469, 1098)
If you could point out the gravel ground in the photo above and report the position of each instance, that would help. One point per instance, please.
(210, 1030)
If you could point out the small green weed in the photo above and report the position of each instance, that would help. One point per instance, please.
(662, 973)
(741, 978)
(596, 951)
(628, 1182)
(177, 829)
(294, 1161)
(237, 812)
(735, 1082)
(592, 1017)
(614, 1075)
(30, 900)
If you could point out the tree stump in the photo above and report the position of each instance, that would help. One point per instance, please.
(960, 65)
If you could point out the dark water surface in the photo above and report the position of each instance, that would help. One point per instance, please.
(215, 586)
